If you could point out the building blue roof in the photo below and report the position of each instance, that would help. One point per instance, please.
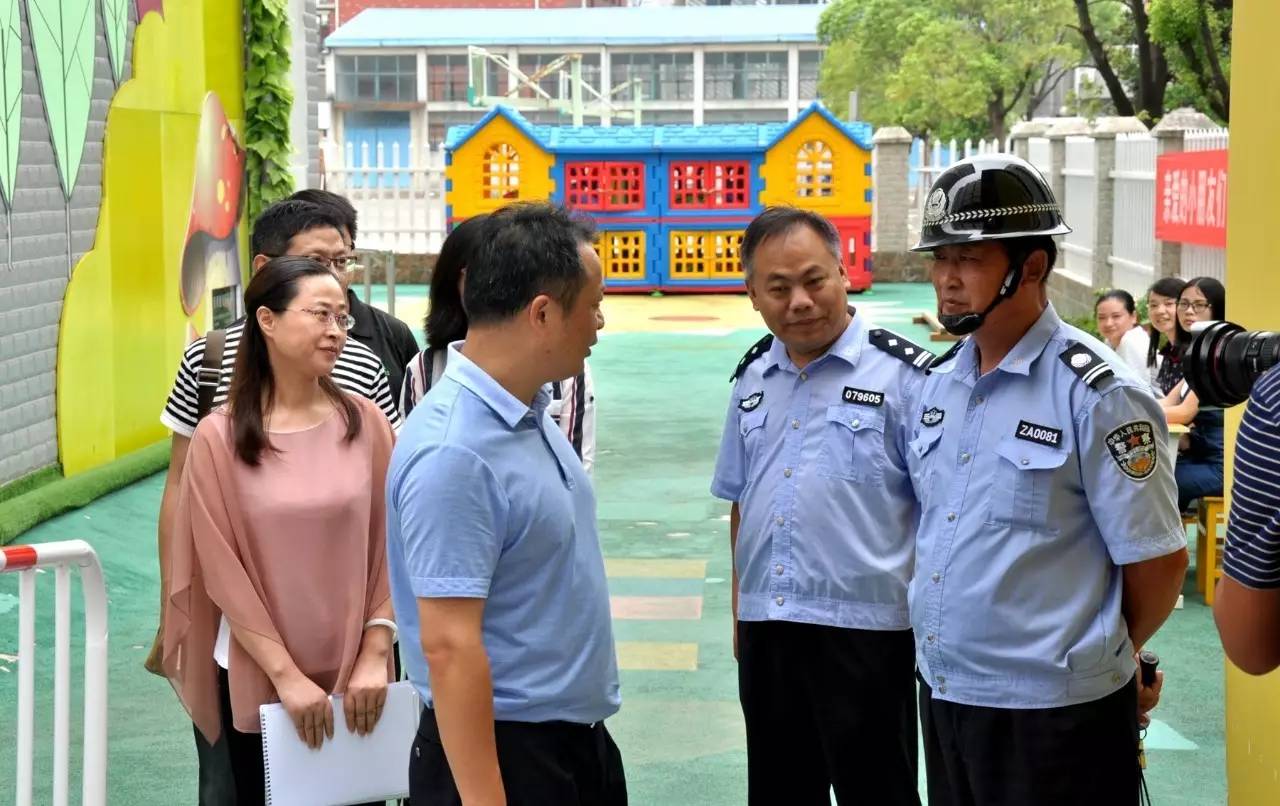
(716, 138)
(452, 27)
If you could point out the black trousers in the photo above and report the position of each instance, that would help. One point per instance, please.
(542, 764)
(828, 708)
(1078, 754)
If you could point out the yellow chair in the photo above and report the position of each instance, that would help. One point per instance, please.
(1211, 529)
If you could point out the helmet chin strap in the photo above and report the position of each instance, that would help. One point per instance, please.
(962, 324)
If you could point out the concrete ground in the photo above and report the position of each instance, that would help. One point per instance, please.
(661, 369)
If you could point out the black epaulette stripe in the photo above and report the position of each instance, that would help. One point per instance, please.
(948, 355)
(758, 349)
(900, 348)
(1093, 371)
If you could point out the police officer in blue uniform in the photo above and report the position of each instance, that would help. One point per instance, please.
(821, 530)
(1050, 546)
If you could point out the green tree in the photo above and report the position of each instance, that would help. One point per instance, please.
(1196, 36)
(950, 68)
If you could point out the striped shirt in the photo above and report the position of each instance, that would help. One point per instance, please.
(573, 401)
(1252, 554)
(358, 371)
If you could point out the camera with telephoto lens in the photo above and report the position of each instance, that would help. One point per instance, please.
(1224, 360)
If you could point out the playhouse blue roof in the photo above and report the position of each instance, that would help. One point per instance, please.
(422, 27)
(717, 138)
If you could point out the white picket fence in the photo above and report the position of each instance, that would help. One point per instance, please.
(1078, 208)
(400, 201)
(936, 157)
(1133, 235)
(1134, 245)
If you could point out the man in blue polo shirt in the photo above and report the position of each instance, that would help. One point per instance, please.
(494, 559)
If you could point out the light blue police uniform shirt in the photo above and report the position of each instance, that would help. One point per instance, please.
(1035, 488)
(813, 459)
(486, 499)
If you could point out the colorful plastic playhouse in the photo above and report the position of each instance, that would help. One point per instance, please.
(671, 202)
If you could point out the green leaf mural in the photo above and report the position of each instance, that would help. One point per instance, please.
(62, 37)
(115, 18)
(10, 97)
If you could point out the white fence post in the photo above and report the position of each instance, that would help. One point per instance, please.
(62, 556)
(398, 196)
(1133, 228)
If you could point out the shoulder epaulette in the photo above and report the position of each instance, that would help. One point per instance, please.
(947, 356)
(758, 349)
(1086, 364)
(900, 348)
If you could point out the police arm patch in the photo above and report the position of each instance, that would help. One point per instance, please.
(751, 402)
(1133, 448)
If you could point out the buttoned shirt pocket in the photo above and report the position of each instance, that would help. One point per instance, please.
(853, 444)
(751, 429)
(921, 455)
(1024, 478)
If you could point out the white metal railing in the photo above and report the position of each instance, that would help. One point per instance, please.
(400, 201)
(936, 157)
(1040, 154)
(27, 561)
(1133, 239)
(1080, 197)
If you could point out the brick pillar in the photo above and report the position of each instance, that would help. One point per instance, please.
(1104, 162)
(891, 201)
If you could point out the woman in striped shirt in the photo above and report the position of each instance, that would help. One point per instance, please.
(573, 404)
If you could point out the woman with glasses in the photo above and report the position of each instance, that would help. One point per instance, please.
(1199, 467)
(573, 404)
(1164, 363)
(1117, 318)
(278, 567)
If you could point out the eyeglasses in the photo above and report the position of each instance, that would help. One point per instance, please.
(337, 264)
(344, 321)
(1199, 305)
(1169, 303)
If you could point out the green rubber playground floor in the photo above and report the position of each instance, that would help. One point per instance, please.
(661, 398)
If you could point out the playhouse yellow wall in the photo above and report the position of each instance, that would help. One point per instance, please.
(851, 178)
(1253, 703)
(464, 172)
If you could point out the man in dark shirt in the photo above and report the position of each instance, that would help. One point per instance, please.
(389, 338)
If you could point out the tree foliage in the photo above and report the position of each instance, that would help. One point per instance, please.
(951, 68)
(1196, 37)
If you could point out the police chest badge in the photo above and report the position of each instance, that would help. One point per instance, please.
(1133, 447)
(751, 402)
(936, 207)
(932, 417)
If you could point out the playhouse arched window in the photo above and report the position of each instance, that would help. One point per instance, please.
(500, 179)
(815, 170)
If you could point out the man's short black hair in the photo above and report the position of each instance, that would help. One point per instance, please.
(1019, 249)
(780, 220)
(525, 250)
(338, 207)
(278, 224)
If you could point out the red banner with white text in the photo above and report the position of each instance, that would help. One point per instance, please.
(1191, 197)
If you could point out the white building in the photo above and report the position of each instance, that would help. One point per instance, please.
(399, 77)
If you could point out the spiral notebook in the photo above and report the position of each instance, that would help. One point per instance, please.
(348, 768)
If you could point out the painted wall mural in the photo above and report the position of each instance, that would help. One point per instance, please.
(170, 234)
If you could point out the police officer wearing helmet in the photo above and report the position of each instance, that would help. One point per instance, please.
(1050, 546)
(821, 530)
